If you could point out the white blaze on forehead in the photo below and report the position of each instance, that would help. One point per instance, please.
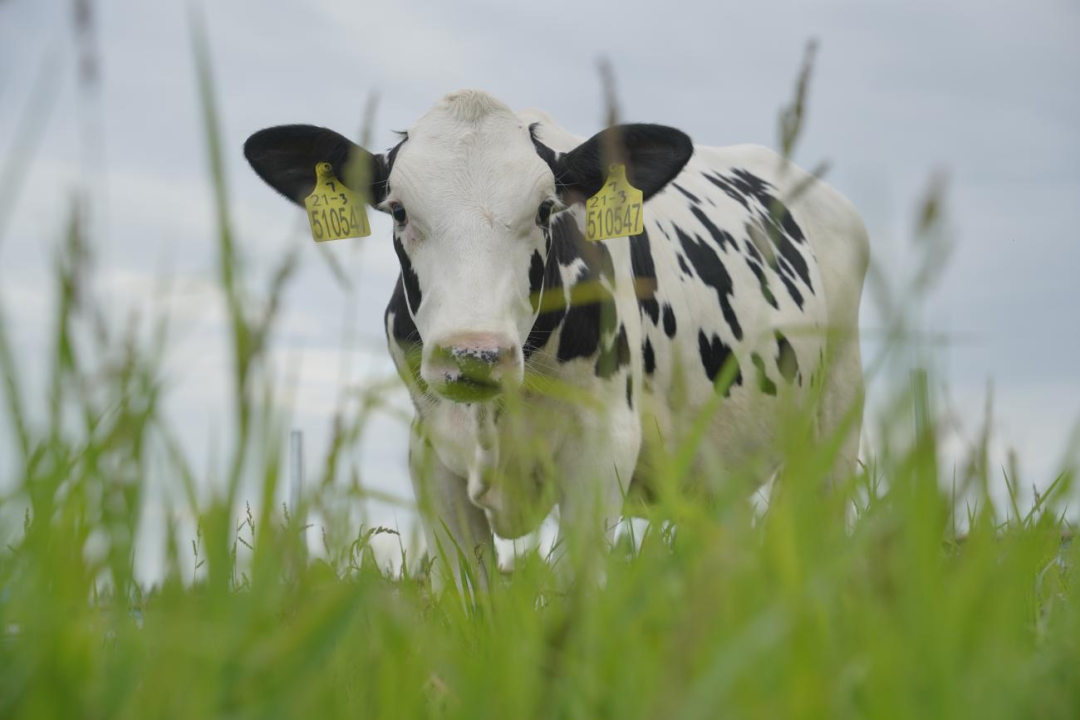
(469, 157)
(471, 182)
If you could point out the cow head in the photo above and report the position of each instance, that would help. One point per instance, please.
(471, 192)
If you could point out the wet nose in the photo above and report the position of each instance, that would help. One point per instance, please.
(470, 367)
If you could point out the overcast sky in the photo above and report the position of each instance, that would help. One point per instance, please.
(984, 91)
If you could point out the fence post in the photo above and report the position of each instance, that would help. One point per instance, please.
(296, 481)
(921, 398)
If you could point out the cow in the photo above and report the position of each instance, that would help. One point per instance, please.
(740, 297)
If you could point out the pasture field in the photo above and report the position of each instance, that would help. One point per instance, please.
(904, 593)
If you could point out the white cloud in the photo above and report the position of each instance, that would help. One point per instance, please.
(901, 88)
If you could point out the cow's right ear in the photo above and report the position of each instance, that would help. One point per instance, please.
(285, 157)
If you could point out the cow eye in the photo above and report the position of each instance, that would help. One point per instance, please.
(543, 214)
(398, 211)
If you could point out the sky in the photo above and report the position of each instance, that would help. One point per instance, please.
(981, 93)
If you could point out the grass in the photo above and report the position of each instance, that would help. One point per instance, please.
(862, 603)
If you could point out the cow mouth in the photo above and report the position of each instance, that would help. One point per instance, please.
(466, 389)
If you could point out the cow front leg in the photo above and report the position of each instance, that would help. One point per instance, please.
(451, 522)
(596, 467)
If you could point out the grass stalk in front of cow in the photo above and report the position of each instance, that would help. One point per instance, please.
(860, 602)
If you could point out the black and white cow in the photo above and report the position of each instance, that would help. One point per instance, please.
(502, 302)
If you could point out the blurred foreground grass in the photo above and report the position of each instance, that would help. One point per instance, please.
(860, 603)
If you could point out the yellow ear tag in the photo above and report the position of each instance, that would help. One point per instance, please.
(334, 211)
(617, 210)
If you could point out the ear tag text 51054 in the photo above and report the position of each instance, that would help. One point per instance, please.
(334, 211)
(617, 210)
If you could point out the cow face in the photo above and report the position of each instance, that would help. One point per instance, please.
(471, 201)
(471, 192)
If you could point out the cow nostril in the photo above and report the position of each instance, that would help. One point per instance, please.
(469, 355)
(478, 365)
(472, 364)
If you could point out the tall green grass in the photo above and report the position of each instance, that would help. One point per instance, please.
(865, 602)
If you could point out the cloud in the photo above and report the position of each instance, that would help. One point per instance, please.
(901, 88)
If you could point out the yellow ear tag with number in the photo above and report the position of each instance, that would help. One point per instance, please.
(334, 211)
(617, 210)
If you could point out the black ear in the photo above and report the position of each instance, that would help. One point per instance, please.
(653, 154)
(285, 157)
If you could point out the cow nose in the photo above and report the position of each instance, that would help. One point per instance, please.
(471, 367)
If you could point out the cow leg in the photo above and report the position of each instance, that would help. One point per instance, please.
(596, 467)
(451, 522)
(842, 406)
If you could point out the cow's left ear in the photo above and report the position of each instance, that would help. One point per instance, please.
(653, 154)
(285, 157)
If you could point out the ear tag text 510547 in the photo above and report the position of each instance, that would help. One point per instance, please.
(617, 210)
(334, 211)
